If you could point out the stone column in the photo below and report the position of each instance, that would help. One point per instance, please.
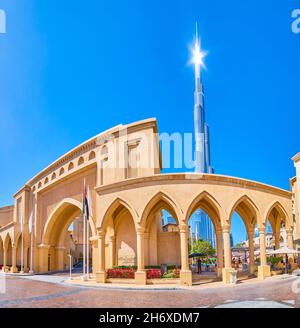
(289, 237)
(112, 251)
(94, 240)
(264, 269)
(185, 273)
(251, 251)
(43, 252)
(14, 268)
(290, 241)
(277, 240)
(60, 257)
(220, 261)
(141, 274)
(227, 254)
(147, 247)
(101, 273)
(26, 248)
(5, 251)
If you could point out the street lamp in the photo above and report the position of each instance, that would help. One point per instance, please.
(70, 257)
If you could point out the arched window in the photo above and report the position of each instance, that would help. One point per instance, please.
(81, 161)
(71, 166)
(39, 185)
(92, 155)
(62, 171)
(46, 180)
(53, 176)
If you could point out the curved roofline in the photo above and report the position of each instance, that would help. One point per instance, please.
(114, 130)
(6, 208)
(190, 176)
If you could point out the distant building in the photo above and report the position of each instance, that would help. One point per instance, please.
(202, 227)
(270, 239)
(170, 227)
(231, 240)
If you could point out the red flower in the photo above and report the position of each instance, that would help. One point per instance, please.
(153, 274)
(120, 273)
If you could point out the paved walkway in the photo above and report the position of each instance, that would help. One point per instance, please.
(53, 291)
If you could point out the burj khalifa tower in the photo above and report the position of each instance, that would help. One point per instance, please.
(202, 226)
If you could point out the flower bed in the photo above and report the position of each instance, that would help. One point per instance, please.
(171, 274)
(153, 274)
(121, 273)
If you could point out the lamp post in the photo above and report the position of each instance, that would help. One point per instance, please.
(70, 257)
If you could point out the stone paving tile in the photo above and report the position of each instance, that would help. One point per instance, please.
(30, 293)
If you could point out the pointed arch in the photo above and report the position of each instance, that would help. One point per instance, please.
(158, 202)
(209, 205)
(17, 236)
(116, 205)
(1, 250)
(281, 211)
(68, 206)
(246, 209)
(7, 240)
(8, 248)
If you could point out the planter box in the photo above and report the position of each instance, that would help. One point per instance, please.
(165, 281)
(120, 281)
(276, 272)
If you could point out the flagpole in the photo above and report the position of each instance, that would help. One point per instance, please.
(22, 252)
(83, 246)
(31, 252)
(31, 230)
(89, 214)
(87, 248)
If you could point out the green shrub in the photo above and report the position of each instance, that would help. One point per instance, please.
(274, 260)
(152, 267)
(168, 275)
(171, 274)
(132, 267)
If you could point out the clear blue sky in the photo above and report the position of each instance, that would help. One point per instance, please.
(70, 69)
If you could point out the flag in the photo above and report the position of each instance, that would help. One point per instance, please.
(85, 205)
(89, 201)
(22, 223)
(31, 222)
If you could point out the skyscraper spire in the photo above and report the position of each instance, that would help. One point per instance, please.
(202, 144)
(203, 224)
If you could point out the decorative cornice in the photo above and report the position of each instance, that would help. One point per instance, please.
(296, 158)
(196, 178)
(6, 208)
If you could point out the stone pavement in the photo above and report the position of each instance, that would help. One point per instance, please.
(53, 291)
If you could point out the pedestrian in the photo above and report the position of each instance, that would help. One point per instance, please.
(199, 263)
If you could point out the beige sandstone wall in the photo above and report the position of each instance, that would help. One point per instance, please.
(6, 215)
